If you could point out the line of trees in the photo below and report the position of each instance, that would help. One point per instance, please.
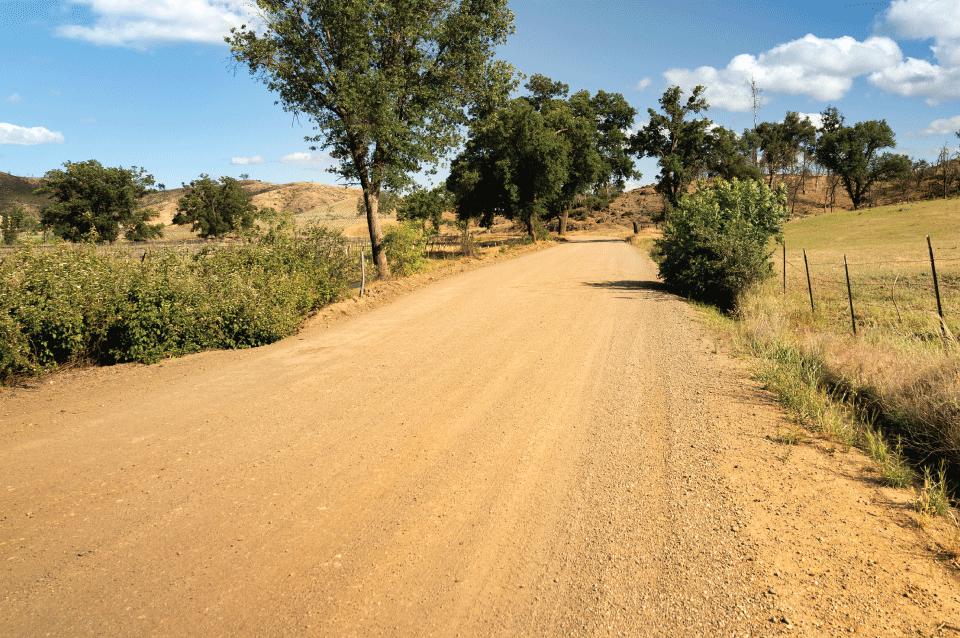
(392, 88)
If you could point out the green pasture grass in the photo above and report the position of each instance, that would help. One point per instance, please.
(888, 261)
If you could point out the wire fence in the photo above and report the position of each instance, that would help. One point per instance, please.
(915, 292)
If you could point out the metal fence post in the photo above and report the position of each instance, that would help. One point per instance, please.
(809, 287)
(936, 287)
(853, 318)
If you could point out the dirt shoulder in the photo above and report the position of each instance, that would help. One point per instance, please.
(551, 445)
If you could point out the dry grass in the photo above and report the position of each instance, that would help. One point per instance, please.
(894, 388)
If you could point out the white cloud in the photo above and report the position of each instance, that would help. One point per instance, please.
(642, 84)
(924, 19)
(15, 98)
(820, 68)
(138, 23)
(946, 126)
(243, 161)
(938, 20)
(22, 136)
(306, 158)
(815, 118)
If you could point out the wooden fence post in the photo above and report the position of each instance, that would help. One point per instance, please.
(853, 318)
(809, 287)
(936, 287)
(363, 271)
(784, 267)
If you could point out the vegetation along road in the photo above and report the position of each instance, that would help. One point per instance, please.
(548, 446)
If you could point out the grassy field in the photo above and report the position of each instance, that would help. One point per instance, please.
(889, 265)
(894, 387)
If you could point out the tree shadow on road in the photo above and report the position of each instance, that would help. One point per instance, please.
(656, 290)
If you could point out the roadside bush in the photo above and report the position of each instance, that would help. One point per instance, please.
(76, 305)
(715, 241)
(406, 247)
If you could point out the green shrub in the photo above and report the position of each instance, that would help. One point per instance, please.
(77, 305)
(715, 241)
(406, 247)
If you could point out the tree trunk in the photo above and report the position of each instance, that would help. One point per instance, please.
(563, 222)
(530, 229)
(372, 204)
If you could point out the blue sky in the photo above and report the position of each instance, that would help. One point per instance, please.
(149, 83)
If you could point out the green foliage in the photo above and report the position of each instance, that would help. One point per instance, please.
(514, 164)
(715, 240)
(389, 202)
(532, 158)
(77, 304)
(852, 153)
(406, 247)
(681, 146)
(728, 156)
(11, 223)
(425, 206)
(216, 207)
(781, 142)
(93, 203)
(387, 85)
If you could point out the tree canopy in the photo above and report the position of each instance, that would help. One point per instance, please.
(681, 146)
(781, 142)
(93, 202)
(215, 207)
(386, 85)
(531, 159)
(514, 164)
(852, 153)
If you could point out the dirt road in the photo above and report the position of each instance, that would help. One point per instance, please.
(548, 446)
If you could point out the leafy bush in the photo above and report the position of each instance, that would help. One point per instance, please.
(406, 247)
(715, 241)
(75, 304)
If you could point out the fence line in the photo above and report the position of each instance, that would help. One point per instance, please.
(914, 286)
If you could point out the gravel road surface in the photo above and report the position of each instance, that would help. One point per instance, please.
(548, 446)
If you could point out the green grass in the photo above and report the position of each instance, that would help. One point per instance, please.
(900, 373)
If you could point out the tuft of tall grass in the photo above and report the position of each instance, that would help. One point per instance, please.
(75, 305)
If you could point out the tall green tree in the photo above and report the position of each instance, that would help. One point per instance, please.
(93, 202)
(387, 85)
(679, 144)
(781, 142)
(853, 153)
(729, 155)
(614, 116)
(215, 207)
(514, 164)
(425, 206)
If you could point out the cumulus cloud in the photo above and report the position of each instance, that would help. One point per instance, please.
(306, 158)
(138, 23)
(946, 126)
(937, 20)
(642, 84)
(821, 68)
(22, 136)
(243, 161)
(815, 118)
(15, 98)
